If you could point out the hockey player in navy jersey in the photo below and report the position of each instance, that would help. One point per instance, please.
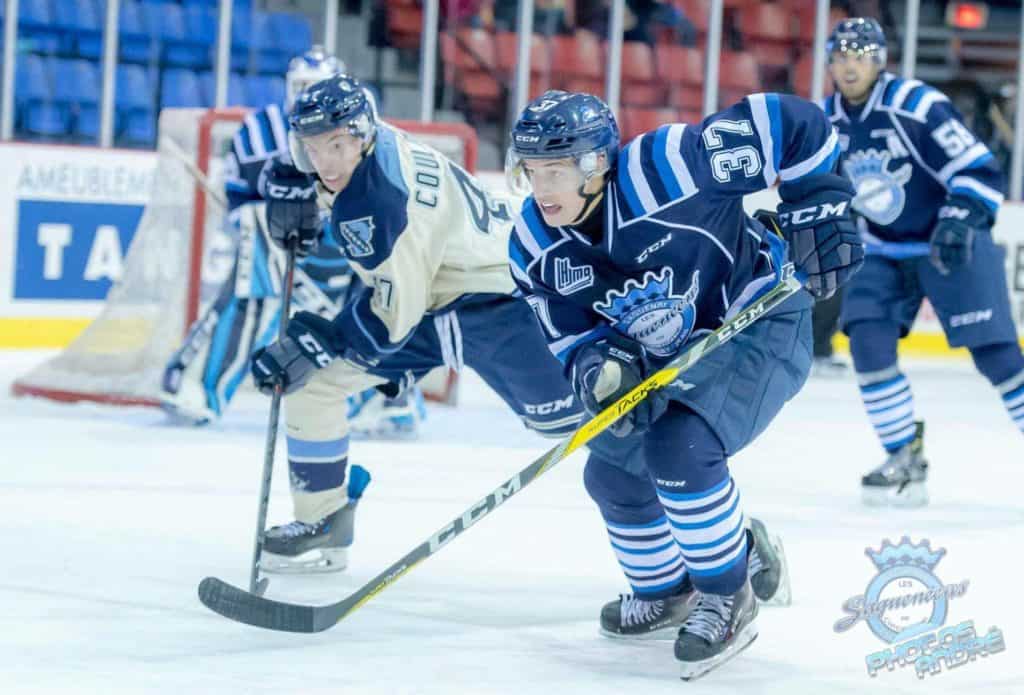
(933, 192)
(202, 376)
(625, 257)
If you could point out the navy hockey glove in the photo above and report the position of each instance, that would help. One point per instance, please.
(816, 220)
(960, 219)
(605, 371)
(291, 362)
(292, 211)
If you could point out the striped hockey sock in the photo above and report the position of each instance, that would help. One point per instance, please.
(1012, 393)
(649, 557)
(708, 527)
(890, 405)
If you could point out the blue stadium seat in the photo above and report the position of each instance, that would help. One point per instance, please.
(77, 20)
(181, 87)
(75, 82)
(165, 23)
(85, 127)
(196, 49)
(138, 129)
(135, 90)
(134, 42)
(265, 89)
(246, 30)
(236, 88)
(32, 82)
(36, 26)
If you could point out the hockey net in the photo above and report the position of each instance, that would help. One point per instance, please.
(179, 256)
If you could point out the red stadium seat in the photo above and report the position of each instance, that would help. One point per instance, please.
(507, 47)
(802, 76)
(768, 31)
(405, 24)
(578, 63)
(640, 85)
(682, 69)
(738, 77)
(470, 64)
(639, 120)
(689, 116)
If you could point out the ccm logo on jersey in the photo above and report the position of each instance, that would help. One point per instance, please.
(311, 345)
(653, 248)
(549, 407)
(947, 212)
(815, 213)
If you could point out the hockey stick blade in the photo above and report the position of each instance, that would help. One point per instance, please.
(248, 608)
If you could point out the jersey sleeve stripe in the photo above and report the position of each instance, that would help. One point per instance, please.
(627, 188)
(972, 187)
(255, 136)
(913, 98)
(386, 151)
(278, 126)
(564, 347)
(933, 96)
(635, 174)
(242, 145)
(975, 155)
(820, 162)
(661, 161)
(760, 110)
(674, 153)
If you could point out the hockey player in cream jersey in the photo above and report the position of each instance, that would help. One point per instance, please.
(430, 247)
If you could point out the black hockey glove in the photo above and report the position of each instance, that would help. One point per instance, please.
(816, 220)
(960, 220)
(606, 370)
(290, 362)
(292, 211)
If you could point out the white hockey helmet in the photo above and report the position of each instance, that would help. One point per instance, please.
(309, 68)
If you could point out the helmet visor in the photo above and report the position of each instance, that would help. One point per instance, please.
(538, 175)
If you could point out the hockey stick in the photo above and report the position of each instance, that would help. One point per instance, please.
(253, 609)
(258, 586)
(196, 172)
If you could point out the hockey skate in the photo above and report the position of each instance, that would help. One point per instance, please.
(373, 415)
(766, 565)
(717, 629)
(301, 548)
(900, 481)
(630, 617)
(184, 400)
(829, 367)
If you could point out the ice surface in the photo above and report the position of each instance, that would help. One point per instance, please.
(109, 519)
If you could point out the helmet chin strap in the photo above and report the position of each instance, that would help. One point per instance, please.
(590, 202)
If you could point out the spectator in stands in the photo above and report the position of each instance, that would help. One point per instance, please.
(550, 17)
(642, 19)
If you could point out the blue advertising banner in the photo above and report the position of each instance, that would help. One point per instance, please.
(71, 251)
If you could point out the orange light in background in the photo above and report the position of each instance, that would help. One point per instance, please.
(967, 15)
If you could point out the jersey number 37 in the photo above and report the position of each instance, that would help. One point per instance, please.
(726, 163)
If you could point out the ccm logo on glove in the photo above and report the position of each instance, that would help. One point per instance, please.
(815, 213)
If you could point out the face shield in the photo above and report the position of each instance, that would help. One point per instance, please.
(527, 175)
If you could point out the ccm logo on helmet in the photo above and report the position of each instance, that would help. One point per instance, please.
(528, 138)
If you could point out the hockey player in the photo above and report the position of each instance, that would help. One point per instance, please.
(626, 256)
(934, 194)
(203, 374)
(430, 246)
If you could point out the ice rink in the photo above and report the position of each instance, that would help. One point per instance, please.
(109, 519)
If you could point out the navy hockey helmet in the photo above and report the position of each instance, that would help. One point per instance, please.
(337, 102)
(559, 125)
(859, 35)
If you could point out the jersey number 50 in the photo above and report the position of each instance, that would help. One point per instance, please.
(726, 162)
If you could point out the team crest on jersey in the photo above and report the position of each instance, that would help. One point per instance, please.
(649, 313)
(356, 235)
(880, 188)
(570, 278)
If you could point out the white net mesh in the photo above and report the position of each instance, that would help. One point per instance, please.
(120, 356)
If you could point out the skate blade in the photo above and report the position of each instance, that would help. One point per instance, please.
(667, 633)
(693, 670)
(912, 495)
(310, 562)
(783, 595)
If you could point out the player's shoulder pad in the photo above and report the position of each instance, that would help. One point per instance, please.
(912, 99)
(369, 216)
(655, 169)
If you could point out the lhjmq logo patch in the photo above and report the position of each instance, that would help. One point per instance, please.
(356, 235)
(649, 313)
